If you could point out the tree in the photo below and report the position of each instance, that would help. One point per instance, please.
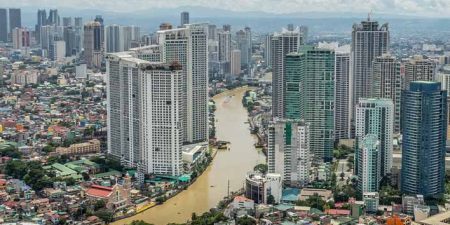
(16, 169)
(245, 220)
(262, 168)
(99, 204)
(139, 222)
(270, 200)
(105, 215)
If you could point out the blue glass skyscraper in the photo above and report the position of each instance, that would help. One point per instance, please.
(424, 121)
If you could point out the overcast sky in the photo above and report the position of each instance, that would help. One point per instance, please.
(435, 8)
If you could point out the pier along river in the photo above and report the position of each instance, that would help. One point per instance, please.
(229, 165)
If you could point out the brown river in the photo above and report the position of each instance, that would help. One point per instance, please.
(229, 165)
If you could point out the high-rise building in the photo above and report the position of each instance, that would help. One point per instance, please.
(244, 43)
(236, 62)
(67, 21)
(376, 116)
(15, 19)
(224, 51)
(3, 25)
(369, 40)
(184, 18)
(78, 33)
(125, 37)
(281, 44)
(419, 68)
(267, 50)
(53, 18)
(145, 103)
(369, 160)
(70, 39)
(212, 32)
(189, 47)
(93, 44)
(317, 86)
(59, 50)
(288, 151)
(309, 95)
(112, 36)
(342, 124)
(41, 21)
(424, 127)
(387, 83)
(20, 38)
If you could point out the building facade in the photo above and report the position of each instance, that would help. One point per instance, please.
(424, 124)
(369, 161)
(419, 68)
(342, 126)
(376, 117)
(93, 49)
(189, 47)
(289, 151)
(144, 114)
(369, 40)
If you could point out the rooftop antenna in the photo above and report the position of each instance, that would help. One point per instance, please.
(369, 15)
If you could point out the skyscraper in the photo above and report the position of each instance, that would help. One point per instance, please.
(3, 25)
(78, 21)
(144, 114)
(20, 38)
(317, 85)
(53, 17)
(236, 62)
(112, 36)
(188, 46)
(342, 124)
(419, 68)
(15, 19)
(376, 117)
(424, 125)
(387, 83)
(369, 160)
(93, 44)
(184, 18)
(369, 40)
(243, 41)
(224, 50)
(281, 44)
(267, 50)
(67, 21)
(41, 21)
(70, 39)
(288, 151)
(309, 95)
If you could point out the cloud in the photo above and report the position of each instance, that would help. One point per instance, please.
(417, 7)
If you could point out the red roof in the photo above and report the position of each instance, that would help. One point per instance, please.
(337, 212)
(99, 191)
(242, 199)
(2, 182)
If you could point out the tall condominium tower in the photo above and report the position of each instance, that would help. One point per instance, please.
(369, 160)
(224, 50)
(267, 50)
(387, 83)
(184, 18)
(342, 126)
(419, 68)
(188, 46)
(144, 114)
(112, 36)
(20, 38)
(309, 95)
(3, 25)
(41, 21)
(281, 44)
(424, 125)
(369, 41)
(236, 62)
(243, 44)
(53, 17)
(289, 151)
(376, 117)
(93, 44)
(67, 21)
(15, 19)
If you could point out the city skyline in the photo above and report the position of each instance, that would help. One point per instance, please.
(426, 8)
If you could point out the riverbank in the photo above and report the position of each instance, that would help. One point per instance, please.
(212, 186)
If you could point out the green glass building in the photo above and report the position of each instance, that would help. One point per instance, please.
(309, 95)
